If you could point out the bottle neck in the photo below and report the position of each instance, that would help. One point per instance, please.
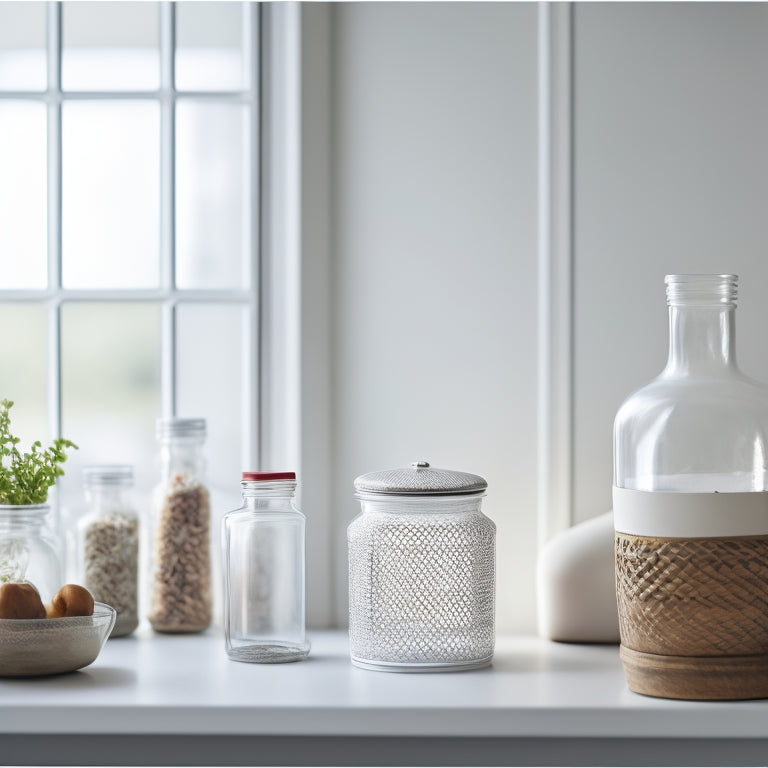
(107, 498)
(30, 517)
(277, 495)
(702, 340)
(182, 456)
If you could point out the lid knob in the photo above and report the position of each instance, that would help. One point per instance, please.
(419, 464)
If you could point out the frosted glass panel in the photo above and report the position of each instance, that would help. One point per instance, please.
(210, 380)
(23, 226)
(22, 46)
(111, 194)
(23, 370)
(110, 386)
(212, 195)
(110, 46)
(210, 53)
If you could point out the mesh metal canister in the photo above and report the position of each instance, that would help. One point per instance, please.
(422, 571)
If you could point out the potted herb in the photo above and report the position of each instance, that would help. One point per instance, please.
(27, 551)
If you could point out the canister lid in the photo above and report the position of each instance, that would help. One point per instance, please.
(420, 480)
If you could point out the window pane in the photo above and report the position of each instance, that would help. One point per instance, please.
(23, 223)
(210, 50)
(110, 46)
(210, 379)
(23, 349)
(212, 195)
(110, 387)
(22, 46)
(111, 194)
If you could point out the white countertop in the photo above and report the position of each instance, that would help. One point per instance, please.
(186, 685)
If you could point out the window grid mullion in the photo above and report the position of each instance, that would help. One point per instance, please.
(54, 214)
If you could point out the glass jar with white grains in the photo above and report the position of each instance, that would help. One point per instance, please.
(108, 542)
(263, 552)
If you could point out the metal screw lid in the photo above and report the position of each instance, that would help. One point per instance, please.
(178, 427)
(108, 474)
(420, 480)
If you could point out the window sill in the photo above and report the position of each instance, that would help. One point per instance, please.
(167, 700)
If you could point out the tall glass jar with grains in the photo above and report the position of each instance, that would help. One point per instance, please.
(181, 598)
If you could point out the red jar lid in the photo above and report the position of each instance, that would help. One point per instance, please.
(266, 476)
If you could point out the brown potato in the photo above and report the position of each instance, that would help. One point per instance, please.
(70, 600)
(20, 601)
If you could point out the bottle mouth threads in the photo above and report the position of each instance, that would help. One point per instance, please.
(701, 290)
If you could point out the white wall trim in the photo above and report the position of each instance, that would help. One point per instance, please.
(295, 274)
(280, 237)
(555, 395)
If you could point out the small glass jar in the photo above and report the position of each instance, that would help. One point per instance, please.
(108, 542)
(263, 550)
(691, 510)
(422, 570)
(28, 548)
(180, 598)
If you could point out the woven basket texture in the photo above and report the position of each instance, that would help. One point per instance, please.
(693, 597)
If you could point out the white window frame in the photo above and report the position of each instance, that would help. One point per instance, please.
(168, 296)
(286, 417)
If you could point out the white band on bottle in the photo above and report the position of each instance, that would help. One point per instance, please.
(690, 515)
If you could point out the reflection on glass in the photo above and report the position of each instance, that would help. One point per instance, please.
(210, 46)
(110, 387)
(210, 338)
(23, 369)
(22, 46)
(110, 46)
(23, 226)
(111, 194)
(213, 199)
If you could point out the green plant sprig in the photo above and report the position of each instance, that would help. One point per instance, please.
(26, 477)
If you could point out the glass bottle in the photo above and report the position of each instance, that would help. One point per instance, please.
(691, 509)
(108, 542)
(180, 599)
(28, 548)
(263, 549)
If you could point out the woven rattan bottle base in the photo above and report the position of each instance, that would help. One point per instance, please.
(693, 615)
(696, 677)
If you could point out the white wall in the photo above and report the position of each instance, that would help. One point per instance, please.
(434, 258)
(433, 197)
(671, 175)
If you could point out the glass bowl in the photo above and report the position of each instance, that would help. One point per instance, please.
(31, 647)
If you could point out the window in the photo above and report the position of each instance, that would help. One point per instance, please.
(129, 227)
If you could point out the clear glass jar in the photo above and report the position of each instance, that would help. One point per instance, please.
(108, 542)
(263, 551)
(28, 549)
(691, 509)
(181, 598)
(422, 570)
